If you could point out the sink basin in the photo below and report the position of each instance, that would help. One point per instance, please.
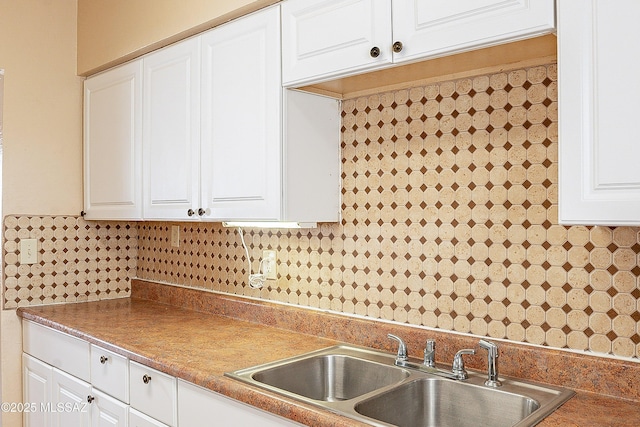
(365, 385)
(335, 374)
(437, 402)
(331, 377)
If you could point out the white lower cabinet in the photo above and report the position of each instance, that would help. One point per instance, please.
(60, 387)
(107, 411)
(153, 393)
(117, 392)
(58, 399)
(36, 386)
(199, 407)
(70, 401)
(62, 351)
(138, 419)
(110, 373)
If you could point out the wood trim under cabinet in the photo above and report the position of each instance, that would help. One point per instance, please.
(520, 54)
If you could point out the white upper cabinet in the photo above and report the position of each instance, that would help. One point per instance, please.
(202, 130)
(324, 39)
(171, 131)
(311, 158)
(329, 38)
(267, 154)
(113, 144)
(599, 182)
(435, 27)
(241, 118)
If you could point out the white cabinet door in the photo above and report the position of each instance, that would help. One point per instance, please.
(199, 407)
(171, 131)
(107, 411)
(325, 38)
(36, 388)
(69, 399)
(436, 27)
(241, 120)
(113, 144)
(599, 147)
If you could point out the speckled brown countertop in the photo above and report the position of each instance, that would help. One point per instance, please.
(197, 347)
(198, 336)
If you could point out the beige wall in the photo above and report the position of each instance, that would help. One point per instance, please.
(42, 169)
(114, 31)
(42, 166)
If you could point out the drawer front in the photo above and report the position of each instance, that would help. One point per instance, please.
(199, 406)
(110, 373)
(67, 353)
(153, 393)
(138, 419)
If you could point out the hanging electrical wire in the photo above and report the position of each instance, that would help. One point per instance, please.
(256, 280)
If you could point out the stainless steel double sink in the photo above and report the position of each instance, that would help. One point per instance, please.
(364, 384)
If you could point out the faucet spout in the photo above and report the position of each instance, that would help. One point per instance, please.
(492, 363)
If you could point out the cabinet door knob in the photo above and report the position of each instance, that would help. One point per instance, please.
(90, 399)
(397, 47)
(146, 379)
(374, 52)
(190, 212)
(103, 359)
(201, 211)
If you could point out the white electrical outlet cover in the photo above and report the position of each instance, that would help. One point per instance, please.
(28, 251)
(269, 267)
(175, 236)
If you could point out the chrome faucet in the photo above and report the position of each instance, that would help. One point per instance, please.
(430, 354)
(456, 373)
(492, 362)
(458, 364)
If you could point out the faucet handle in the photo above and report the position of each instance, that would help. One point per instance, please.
(430, 353)
(402, 348)
(458, 364)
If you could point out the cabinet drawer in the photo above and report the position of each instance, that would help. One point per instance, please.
(110, 373)
(153, 393)
(198, 406)
(58, 349)
(138, 419)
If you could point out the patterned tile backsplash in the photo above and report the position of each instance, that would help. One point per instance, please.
(449, 221)
(78, 260)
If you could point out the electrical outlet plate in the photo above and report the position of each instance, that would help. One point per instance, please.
(175, 236)
(269, 264)
(28, 251)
